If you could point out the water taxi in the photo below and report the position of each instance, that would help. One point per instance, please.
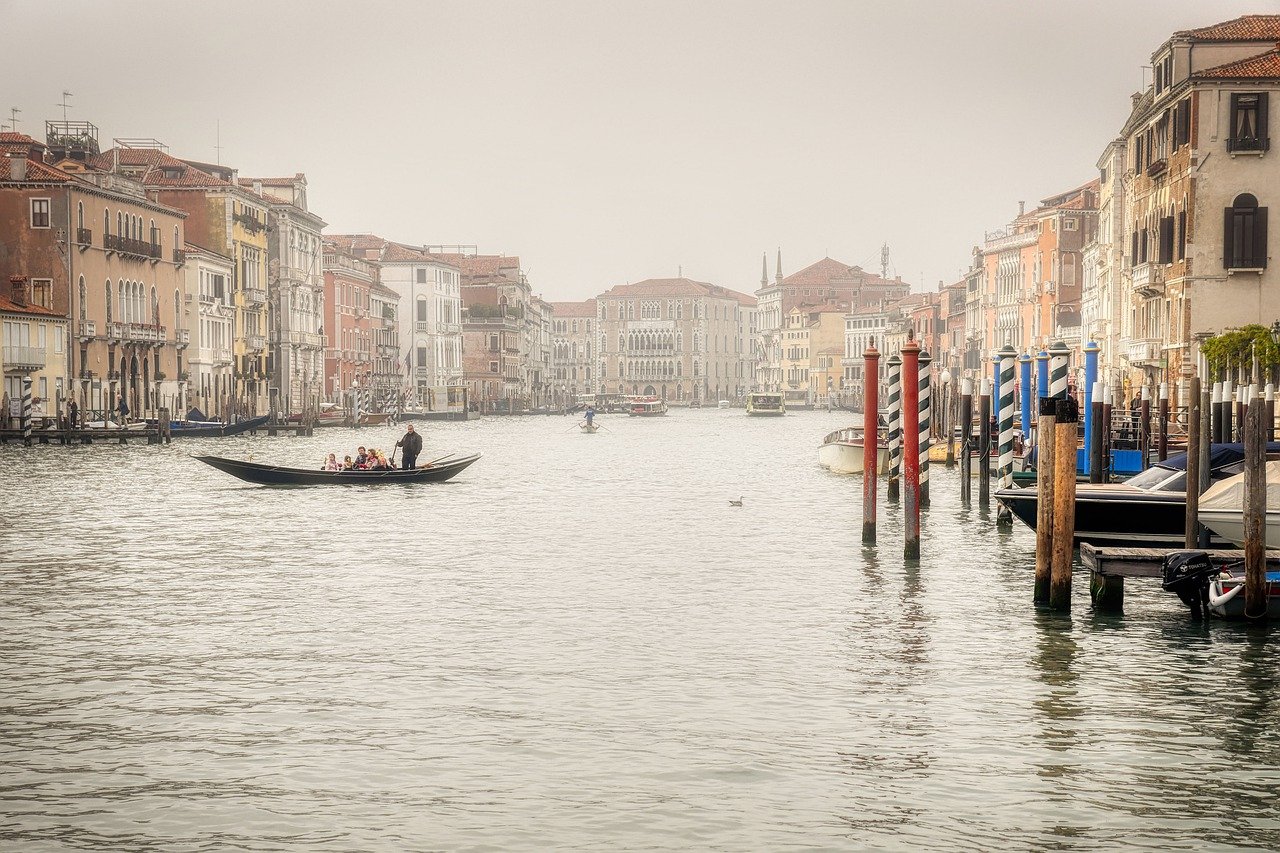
(645, 407)
(842, 452)
(761, 403)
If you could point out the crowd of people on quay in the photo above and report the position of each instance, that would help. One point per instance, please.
(373, 459)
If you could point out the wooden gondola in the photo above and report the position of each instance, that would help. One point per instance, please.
(213, 429)
(276, 475)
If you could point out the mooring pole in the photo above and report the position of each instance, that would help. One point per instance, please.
(966, 445)
(1269, 399)
(1059, 357)
(984, 442)
(1107, 438)
(1163, 416)
(1091, 350)
(1191, 536)
(1008, 355)
(1242, 401)
(1045, 480)
(1097, 467)
(922, 437)
(1026, 395)
(870, 441)
(1042, 374)
(26, 411)
(1206, 445)
(1144, 426)
(1255, 514)
(894, 364)
(910, 454)
(1064, 502)
(1215, 409)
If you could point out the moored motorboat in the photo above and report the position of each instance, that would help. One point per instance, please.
(278, 475)
(213, 429)
(1148, 510)
(843, 452)
(762, 403)
(1222, 507)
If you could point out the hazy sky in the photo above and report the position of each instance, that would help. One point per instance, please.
(607, 142)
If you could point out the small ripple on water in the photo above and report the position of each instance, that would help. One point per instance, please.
(579, 644)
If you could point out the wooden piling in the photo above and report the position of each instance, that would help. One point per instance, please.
(1202, 532)
(1044, 497)
(910, 452)
(870, 441)
(966, 446)
(1241, 402)
(1144, 426)
(1215, 413)
(1064, 502)
(1097, 468)
(984, 443)
(1255, 515)
(1269, 412)
(1193, 464)
(1162, 417)
(1107, 405)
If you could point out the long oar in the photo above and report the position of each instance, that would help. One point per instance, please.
(434, 461)
(572, 428)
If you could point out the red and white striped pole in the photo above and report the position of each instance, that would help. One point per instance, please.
(870, 441)
(910, 459)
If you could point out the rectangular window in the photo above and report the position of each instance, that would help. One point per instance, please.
(422, 310)
(1166, 240)
(1248, 131)
(1244, 244)
(422, 356)
(42, 292)
(1182, 123)
(422, 276)
(1182, 234)
(39, 213)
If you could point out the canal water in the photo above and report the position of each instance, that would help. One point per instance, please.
(579, 644)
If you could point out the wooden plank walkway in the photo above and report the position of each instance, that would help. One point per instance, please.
(1149, 562)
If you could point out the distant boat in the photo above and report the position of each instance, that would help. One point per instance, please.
(276, 475)
(723, 404)
(761, 403)
(212, 429)
(590, 429)
(646, 407)
(842, 452)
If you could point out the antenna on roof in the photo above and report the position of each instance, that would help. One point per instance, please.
(13, 118)
(217, 141)
(64, 104)
(884, 261)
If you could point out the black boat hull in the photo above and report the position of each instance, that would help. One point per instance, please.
(1117, 518)
(218, 431)
(274, 475)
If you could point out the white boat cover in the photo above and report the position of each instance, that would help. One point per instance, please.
(1228, 495)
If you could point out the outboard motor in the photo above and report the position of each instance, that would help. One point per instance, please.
(1188, 573)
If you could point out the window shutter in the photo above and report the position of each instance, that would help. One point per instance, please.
(1166, 240)
(1228, 237)
(1263, 109)
(1133, 248)
(1260, 238)
(1231, 128)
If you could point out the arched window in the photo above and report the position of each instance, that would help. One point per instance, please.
(177, 244)
(84, 308)
(120, 223)
(106, 222)
(123, 301)
(177, 310)
(1244, 234)
(108, 301)
(80, 214)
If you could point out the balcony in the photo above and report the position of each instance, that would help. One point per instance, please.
(127, 247)
(1005, 242)
(1148, 280)
(84, 237)
(422, 326)
(206, 299)
(1157, 167)
(179, 257)
(88, 330)
(182, 337)
(306, 339)
(250, 223)
(448, 328)
(255, 296)
(255, 343)
(221, 355)
(115, 332)
(23, 358)
(1144, 351)
(145, 333)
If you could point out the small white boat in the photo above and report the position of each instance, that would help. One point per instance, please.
(1226, 594)
(589, 429)
(723, 404)
(645, 407)
(842, 452)
(1222, 508)
(762, 403)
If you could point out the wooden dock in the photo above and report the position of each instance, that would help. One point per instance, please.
(1108, 567)
(82, 436)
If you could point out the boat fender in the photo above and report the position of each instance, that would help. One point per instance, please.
(1219, 600)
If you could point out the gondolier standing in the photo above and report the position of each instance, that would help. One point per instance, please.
(412, 444)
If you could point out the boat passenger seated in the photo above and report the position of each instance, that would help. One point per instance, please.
(331, 464)
(347, 464)
(362, 457)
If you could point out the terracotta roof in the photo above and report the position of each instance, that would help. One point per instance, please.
(574, 309)
(8, 306)
(193, 247)
(1260, 67)
(829, 272)
(37, 173)
(352, 242)
(676, 287)
(1244, 28)
(156, 163)
(388, 251)
(482, 265)
(17, 142)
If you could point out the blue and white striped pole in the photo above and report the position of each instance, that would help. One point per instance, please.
(1008, 355)
(1024, 365)
(894, 365)
(923, 435)
(1091, 350)
(26, 410)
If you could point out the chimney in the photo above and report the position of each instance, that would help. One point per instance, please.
(1022, 207)
(17, 166)
(18, 283)
(257, 187)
